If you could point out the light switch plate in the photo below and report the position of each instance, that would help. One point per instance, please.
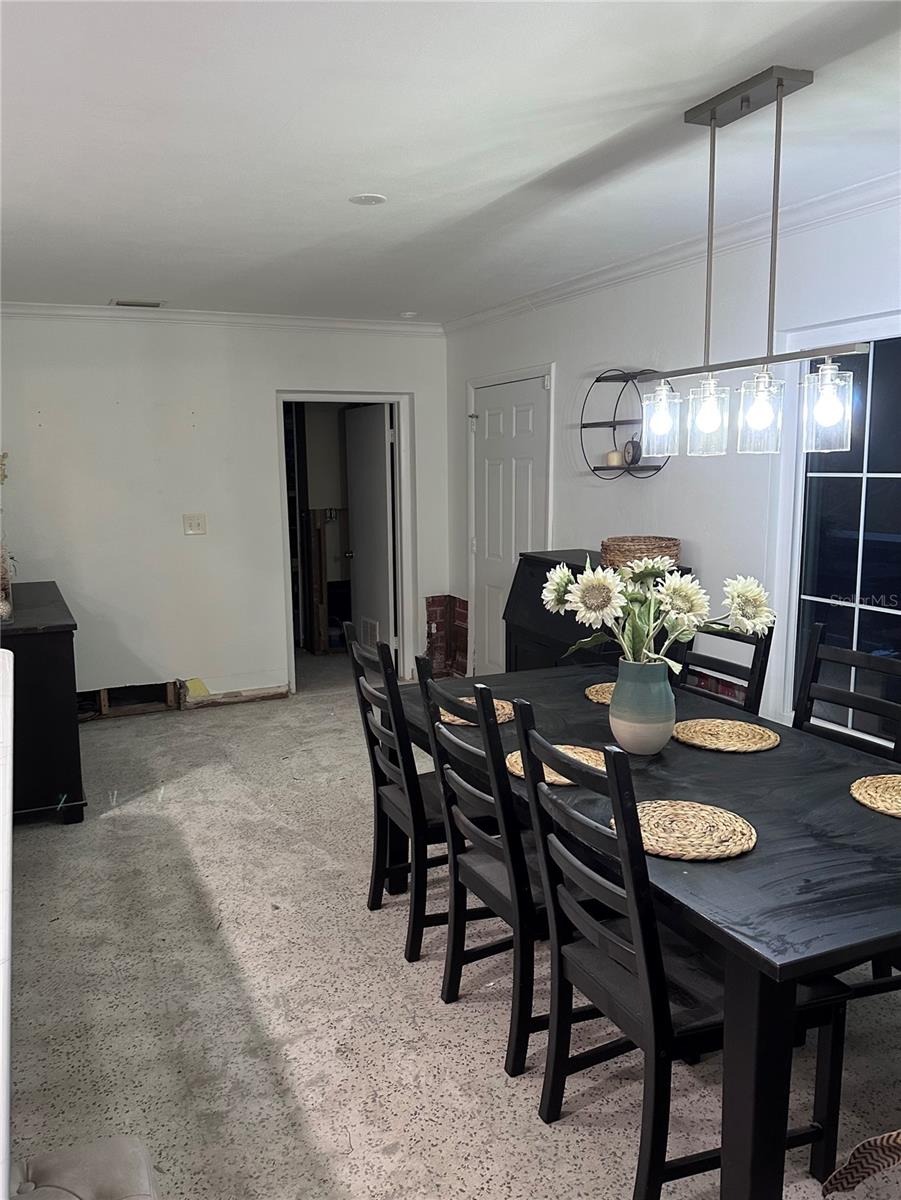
(194, 523)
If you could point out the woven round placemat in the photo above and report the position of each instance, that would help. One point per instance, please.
(700, 832)
(591, 758)
(882, 793)
(503, 710)
(600, 693)
(735, 737)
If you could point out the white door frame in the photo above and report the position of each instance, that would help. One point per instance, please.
(405, 514)
(783, 553)
(548, 369)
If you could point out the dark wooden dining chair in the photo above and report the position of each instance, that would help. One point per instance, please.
(402, 798)
(662, 992)
(811, 689)
(490, 855)
(751, 678)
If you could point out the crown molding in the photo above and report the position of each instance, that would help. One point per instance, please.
(870, 196)
(176, 316)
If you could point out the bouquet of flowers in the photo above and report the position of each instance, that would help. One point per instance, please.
(631, 605)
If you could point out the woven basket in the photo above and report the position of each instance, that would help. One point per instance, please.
(617, 551)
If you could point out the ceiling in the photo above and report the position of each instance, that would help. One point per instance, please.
(203, 153)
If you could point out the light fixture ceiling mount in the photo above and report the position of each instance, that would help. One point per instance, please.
(748, 96)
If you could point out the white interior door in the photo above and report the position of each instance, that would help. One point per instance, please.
(512, 429)
(371, 522)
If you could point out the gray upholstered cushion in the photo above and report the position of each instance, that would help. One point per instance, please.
(116, 1168)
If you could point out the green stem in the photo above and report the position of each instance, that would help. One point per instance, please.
(653, 629)
(667, 644)
(619, 634)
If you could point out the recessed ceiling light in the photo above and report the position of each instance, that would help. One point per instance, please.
(408, 316)
(368, 198)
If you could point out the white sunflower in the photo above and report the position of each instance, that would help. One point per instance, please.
(553, 594)
(679, 628)
(645, 570)
(682, 596)
(597, 597)
(746, 604)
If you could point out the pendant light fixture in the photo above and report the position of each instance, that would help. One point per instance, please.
(760, 414)
(828, 391)
(828, 395)
(708, 417)
(660, 422)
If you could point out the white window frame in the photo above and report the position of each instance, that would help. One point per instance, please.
(783, 557)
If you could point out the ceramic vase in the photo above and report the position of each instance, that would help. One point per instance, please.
(642, 708)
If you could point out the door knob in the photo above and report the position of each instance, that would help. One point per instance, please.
(348, 553)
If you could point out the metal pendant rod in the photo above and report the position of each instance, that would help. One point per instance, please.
(766, 360)
(774, 221)
(711, 197)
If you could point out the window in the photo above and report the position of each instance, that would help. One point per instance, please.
(850, 578)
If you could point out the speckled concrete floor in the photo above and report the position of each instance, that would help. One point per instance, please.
(195, 964)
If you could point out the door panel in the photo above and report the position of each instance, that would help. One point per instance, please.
(371, 527)
(511, 470)
(522, 506)
(494, 510)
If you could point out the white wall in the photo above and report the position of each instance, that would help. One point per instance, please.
(117, 424)
(327, 479)
(721, 508)
(326, 472)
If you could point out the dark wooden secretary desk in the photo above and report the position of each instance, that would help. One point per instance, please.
(46, 752)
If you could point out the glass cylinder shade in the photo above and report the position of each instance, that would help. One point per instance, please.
(708, 418)
(760, 415)
(828, 395)
(660, 422)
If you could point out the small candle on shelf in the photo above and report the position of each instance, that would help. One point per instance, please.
(614, 458)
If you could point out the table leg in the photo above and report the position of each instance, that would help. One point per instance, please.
(398, 852)
(757, 1063)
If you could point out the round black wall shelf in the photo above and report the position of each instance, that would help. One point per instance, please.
(626, 426)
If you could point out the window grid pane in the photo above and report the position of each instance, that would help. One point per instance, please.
(837, 552)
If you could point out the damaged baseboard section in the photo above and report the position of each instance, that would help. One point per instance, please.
(193, 693)
(131, 700)
(140, 699)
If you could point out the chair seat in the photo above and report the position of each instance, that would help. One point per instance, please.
(695, 981)
(398, 808)
(488, 878)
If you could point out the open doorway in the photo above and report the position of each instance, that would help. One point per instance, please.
(342, 506)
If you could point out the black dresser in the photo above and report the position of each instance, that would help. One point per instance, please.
(535, 637)
(46, 752)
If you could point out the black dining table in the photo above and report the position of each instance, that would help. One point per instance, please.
(820, 892)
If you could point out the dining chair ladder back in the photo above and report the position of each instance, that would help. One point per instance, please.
(751, 677)
(406, 805)
(887, 967)
(487, 852)
(810, 690)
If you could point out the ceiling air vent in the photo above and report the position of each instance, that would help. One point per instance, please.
(136, 303)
